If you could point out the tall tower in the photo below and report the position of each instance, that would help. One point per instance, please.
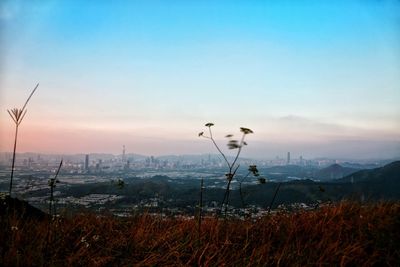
(123, 153)
(87, 162)
(288, 158)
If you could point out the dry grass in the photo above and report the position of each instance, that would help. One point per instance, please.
(347, 234)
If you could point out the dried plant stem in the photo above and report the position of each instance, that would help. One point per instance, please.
(231, 173)
(219, 150)
(273, 199)
(53, 182)
(227, 191)
(239, 150)
(232, 167)
(17, 115)
(29, 98)
(240, 188)
(200, 207)
(13, 159)
(51, 199)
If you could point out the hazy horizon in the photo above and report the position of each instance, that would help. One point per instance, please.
(318, 79)
(296, 153)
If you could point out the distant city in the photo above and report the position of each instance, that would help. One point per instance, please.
(97, 180)
(107, 163)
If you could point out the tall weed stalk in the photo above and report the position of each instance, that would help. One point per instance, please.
(17, 115)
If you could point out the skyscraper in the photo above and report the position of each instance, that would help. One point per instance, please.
(87, 162)
(288, 158)
(123, 153)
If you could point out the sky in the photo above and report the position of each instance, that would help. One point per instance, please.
(316, 78)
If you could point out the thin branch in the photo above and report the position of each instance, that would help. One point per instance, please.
(227, 191)
(240, 149)
(247, 175)
(240, 188)
(58, 170)
(273, 199)
(30, 96)
(19, 113)
(219, 150)
(234, 172)
(200, 208)
(22, 117)
(12, 117)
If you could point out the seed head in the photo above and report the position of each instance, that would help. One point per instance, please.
(262, 180)
(245, 130)
(253, 169)
(229, 176)
(233, 144)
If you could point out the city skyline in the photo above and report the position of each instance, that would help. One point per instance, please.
(315, 79)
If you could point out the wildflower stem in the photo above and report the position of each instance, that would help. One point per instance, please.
(240, 188)
(232, 168)
(226, 197)
(239, 150)
(219, 150)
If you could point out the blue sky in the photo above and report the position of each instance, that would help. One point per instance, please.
(309, 77)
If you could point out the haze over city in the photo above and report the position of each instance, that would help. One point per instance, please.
(317, 79)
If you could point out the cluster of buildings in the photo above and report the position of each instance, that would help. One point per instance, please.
(108, 163)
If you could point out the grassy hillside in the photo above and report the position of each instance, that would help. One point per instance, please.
(344, 234)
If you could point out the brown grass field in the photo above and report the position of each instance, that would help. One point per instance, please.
(345, 234)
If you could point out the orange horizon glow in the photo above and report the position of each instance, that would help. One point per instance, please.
(316, 79)
(158, 141)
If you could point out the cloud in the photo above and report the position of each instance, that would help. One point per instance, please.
(297, 127)
(298, 121)
(342, 149)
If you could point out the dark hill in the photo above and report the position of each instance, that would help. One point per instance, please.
(332, 172)
(20, 208)
(379, 183)
(374, 184)
(387, 173)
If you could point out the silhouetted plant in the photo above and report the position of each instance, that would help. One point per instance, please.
(232, 166)
(120, 183)
(17, 115)
(273, 198)
(200, 207)
(52, 184)
(262, 180)
(252, 170)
